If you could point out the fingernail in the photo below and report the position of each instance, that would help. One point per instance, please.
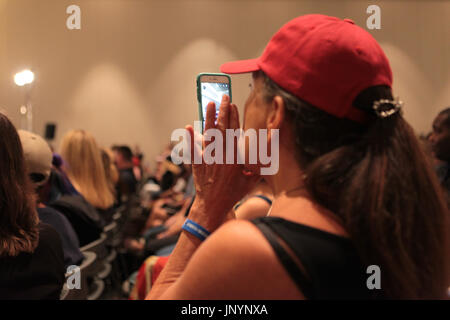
(225, 98)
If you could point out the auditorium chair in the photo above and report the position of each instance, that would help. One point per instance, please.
(87, 270)
(95, 281)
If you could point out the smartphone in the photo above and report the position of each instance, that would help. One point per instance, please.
(211, 87)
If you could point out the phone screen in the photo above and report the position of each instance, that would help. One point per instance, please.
(213, 91)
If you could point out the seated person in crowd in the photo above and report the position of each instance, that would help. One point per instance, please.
(55, 193)
(31, 254)
(64, 186)
(163, 212)
(163, 177)
(83, 217)
(440, 147)
(84, 167)
(38, 159)
(112, 177)
(127, 183)
(138, 168)
(111, 172)
(170, 196)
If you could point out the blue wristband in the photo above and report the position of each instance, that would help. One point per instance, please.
(195, 229)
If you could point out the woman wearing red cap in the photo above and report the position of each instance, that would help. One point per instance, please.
(357, 210)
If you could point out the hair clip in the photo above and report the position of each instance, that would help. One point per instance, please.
(394, 107)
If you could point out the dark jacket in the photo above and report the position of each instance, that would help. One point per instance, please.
(37, 275)
(69, 238)
(83, 217)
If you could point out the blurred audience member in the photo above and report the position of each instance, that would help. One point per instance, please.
(168, 174)
(440, 146)
(58, 193)
(174, 223)
(84, 167)
(127, 184)
(111, 173)
(58, 184)
(138, 169)
(83, 217)
(38, 159)
(189, 191)
(31, 255)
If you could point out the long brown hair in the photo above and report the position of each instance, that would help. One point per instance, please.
(377, 180)
(18, 217)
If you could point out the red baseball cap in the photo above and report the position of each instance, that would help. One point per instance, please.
(323, 60)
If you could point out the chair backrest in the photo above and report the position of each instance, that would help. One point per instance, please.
(98, 247)
(117, 216)
(98, 287)
(110, 230)
(120, 216)
(86, 270)
(113, 234)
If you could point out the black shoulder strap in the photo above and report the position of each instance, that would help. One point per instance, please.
(263, 197)
(302, 282)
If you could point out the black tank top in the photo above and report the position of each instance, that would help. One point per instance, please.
(322, 265)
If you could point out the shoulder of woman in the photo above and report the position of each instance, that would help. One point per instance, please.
(240, 256)
(252, 208)
(243, 231)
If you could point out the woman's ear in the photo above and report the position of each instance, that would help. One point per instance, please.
(276, 114)
(275, 117)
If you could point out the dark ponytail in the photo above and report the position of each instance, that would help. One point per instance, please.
(380, 185)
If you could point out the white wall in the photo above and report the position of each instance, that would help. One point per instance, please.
(129, 74)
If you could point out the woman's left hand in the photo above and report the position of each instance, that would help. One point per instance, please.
(219, 186)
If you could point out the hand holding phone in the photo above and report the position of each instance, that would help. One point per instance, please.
(210, 88)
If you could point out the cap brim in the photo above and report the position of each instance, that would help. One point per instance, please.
(241, 66)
